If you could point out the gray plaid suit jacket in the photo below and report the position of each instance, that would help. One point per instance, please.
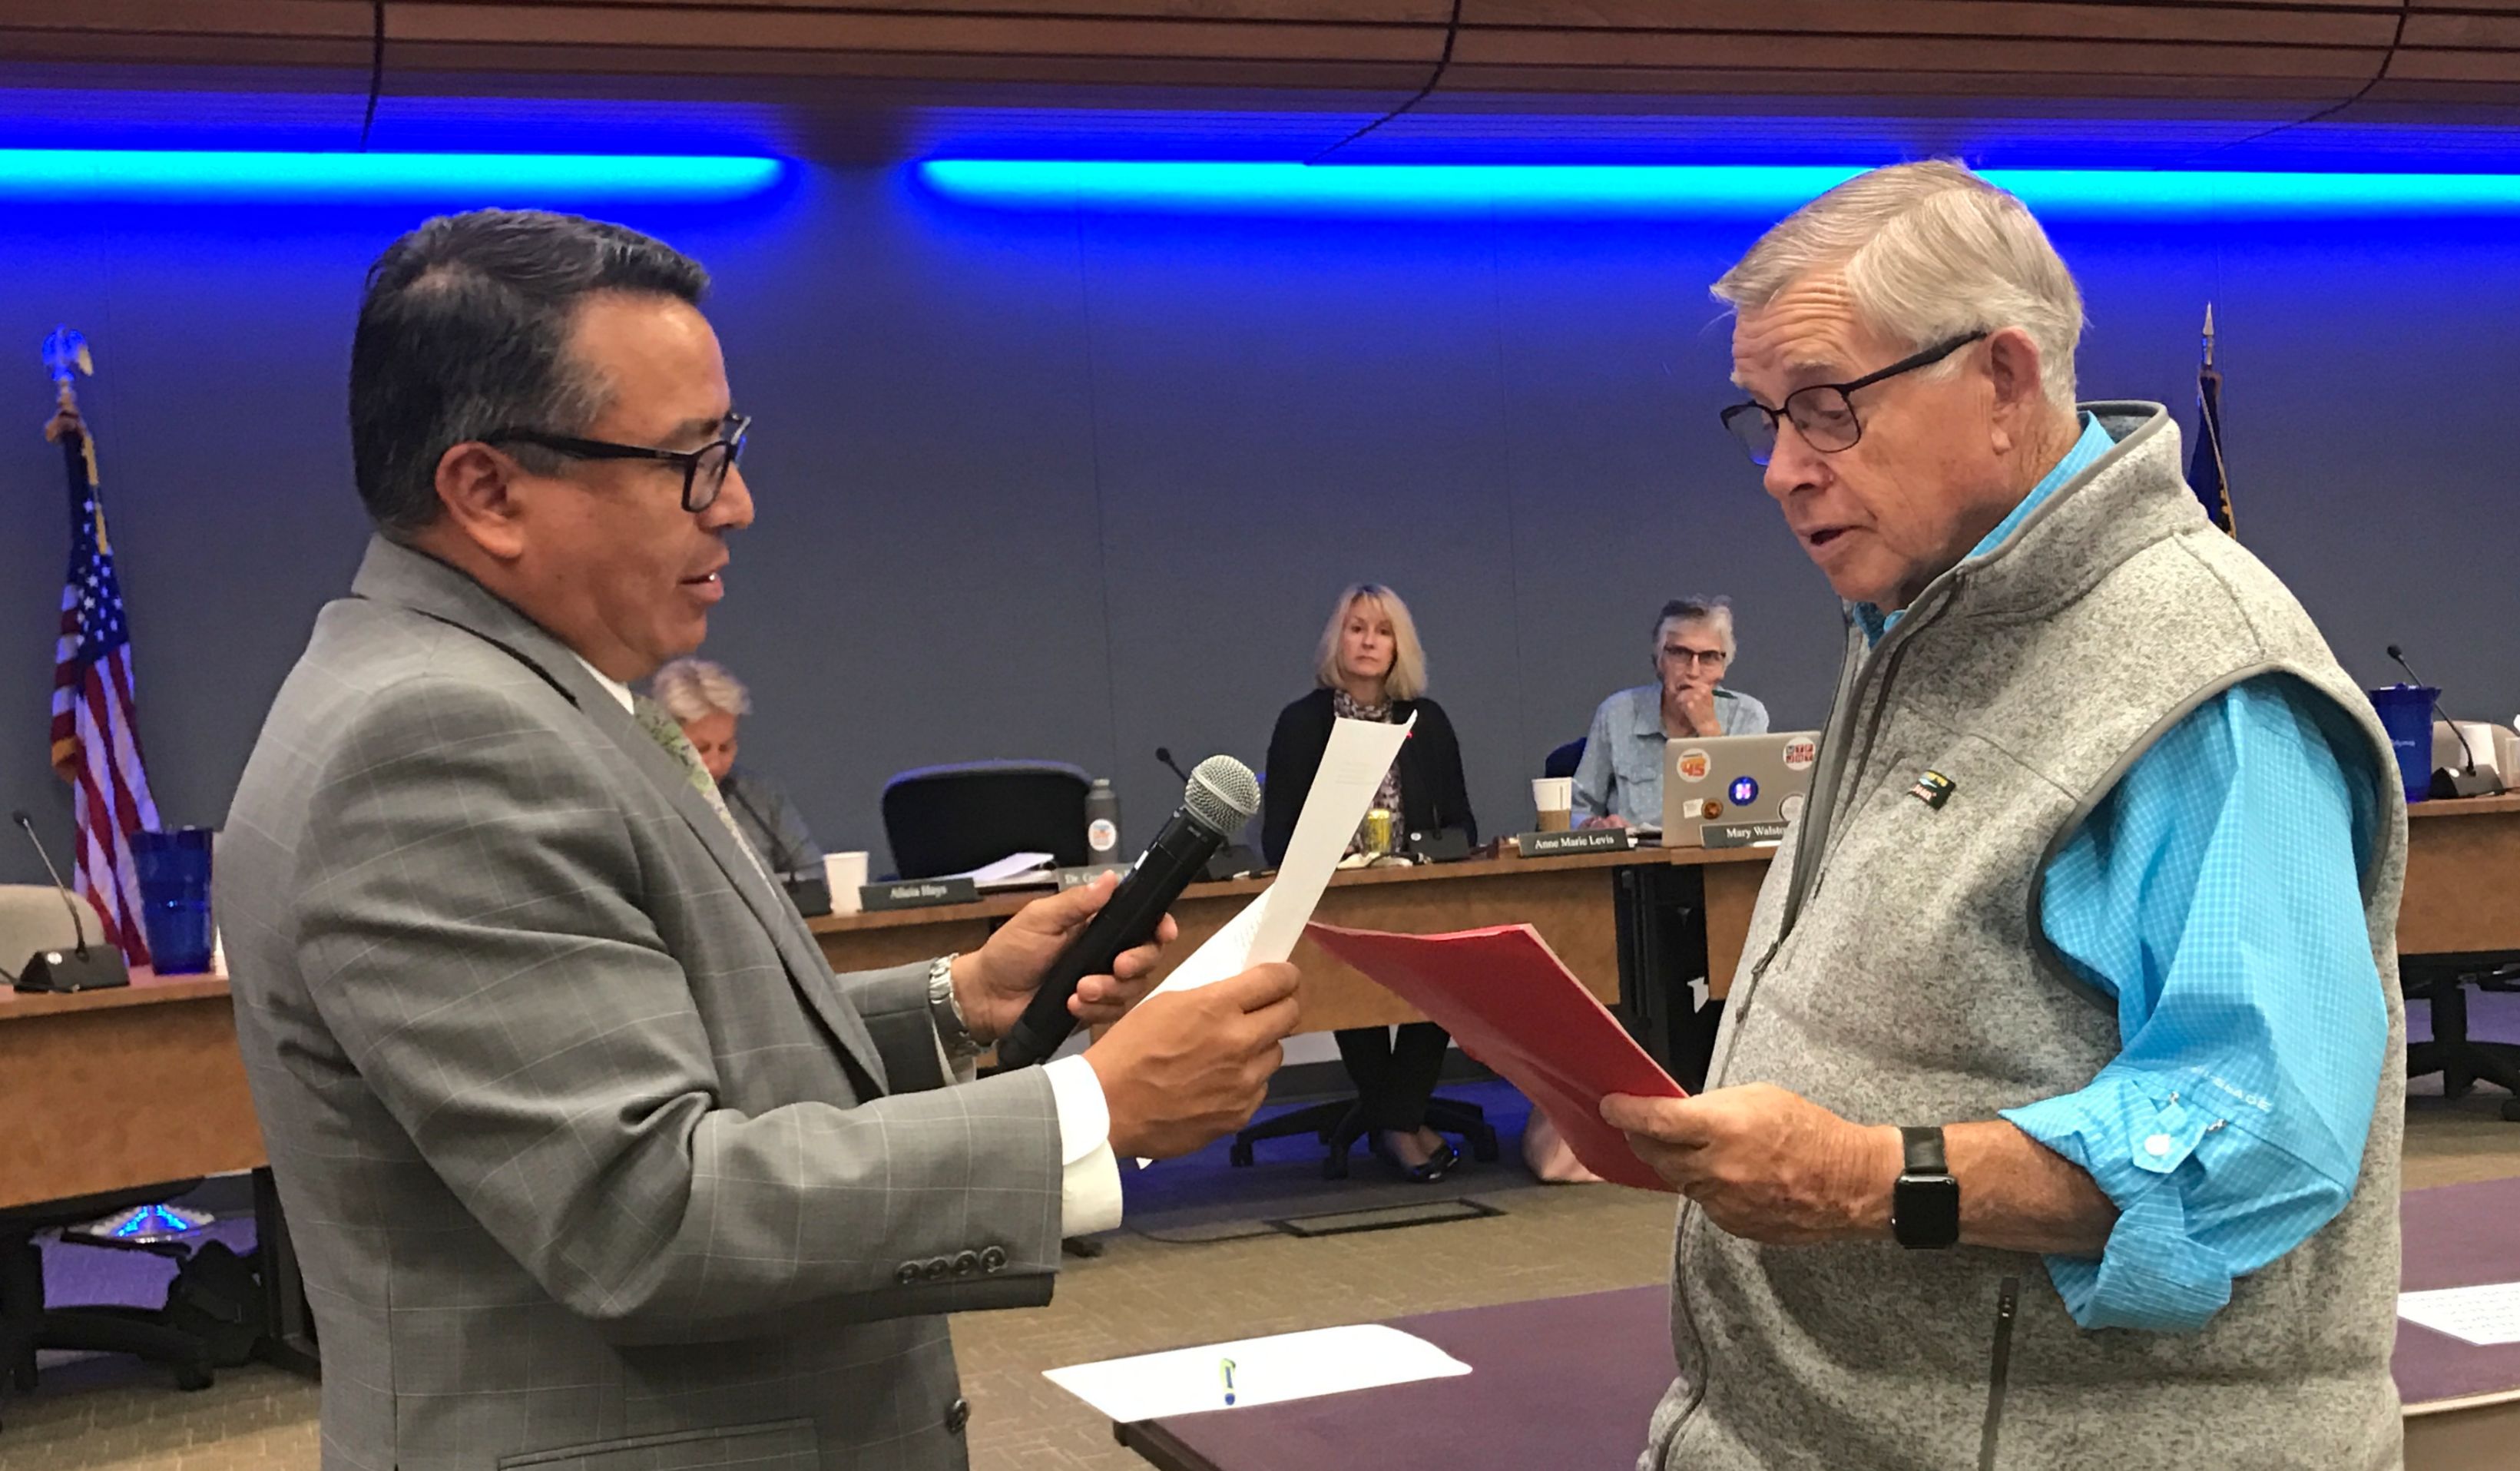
(593, 1163)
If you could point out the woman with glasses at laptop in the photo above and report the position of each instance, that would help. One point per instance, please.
(1370, 666)
(1619, 781)
(707, 702)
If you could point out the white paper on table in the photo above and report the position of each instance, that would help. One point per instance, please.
(1266, 1371)
(2486, 1314)
(1015, 866)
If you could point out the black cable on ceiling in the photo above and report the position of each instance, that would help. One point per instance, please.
(1444, 60)
(376, 73)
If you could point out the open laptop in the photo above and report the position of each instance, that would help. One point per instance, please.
(1730, 791)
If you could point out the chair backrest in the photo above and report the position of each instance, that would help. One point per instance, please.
(946, 818)
(1562, 761)
(32, 919)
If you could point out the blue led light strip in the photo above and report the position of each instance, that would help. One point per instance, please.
(1551, 189)
(175, 175)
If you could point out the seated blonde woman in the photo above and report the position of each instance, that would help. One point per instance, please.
(707, 702)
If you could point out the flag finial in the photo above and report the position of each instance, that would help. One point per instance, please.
(2209, 333)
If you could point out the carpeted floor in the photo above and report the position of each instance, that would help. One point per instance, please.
(1198, 1263)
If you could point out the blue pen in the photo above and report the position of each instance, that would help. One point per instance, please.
(1225, 1367)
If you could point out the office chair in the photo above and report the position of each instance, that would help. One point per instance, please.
(27, 1325)
(1561, 762)
(2443, 981)
(950, 819)
(1340, 1124)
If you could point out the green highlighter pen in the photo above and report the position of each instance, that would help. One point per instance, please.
(1224, 1370)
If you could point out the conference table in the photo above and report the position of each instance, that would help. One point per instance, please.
(1570, 1381)
(2462, 897)
(142, 1085)
(139, 1086)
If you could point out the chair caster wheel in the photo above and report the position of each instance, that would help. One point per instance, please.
(1334, 1166)
(2511, 1110)
(193, 1378)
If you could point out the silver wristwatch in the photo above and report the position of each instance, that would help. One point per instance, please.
(947, 1012)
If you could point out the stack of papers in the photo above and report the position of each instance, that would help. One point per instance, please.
(1259, 1371)
(2486, 1314)
(1016, 870)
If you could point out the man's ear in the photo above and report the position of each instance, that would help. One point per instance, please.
(478, 486)
(2013, 371)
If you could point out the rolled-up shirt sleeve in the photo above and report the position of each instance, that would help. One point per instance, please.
(1593, 773)
(2216, 894)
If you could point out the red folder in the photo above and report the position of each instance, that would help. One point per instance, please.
(1512, 1004)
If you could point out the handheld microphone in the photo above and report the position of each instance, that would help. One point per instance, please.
(1221, 796)
(79, 969)
(2466, 784)
(1164, 754)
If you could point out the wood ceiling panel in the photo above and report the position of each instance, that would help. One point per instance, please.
(2458, 58)
(2219, 24)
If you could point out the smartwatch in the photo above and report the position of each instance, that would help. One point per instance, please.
(1926, 1205)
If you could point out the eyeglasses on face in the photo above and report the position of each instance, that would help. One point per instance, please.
(1823, 414)
(1712, 658)
(703, 469)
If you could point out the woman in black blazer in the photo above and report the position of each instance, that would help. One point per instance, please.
(1370, 667)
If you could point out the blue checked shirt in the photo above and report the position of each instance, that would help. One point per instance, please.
(2214, 892)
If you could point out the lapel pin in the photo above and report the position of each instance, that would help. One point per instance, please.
(1933, 788)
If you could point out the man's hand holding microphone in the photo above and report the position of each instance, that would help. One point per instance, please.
(1187, 1067)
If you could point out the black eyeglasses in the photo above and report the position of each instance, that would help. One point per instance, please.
(1822, 413)
(703, 469)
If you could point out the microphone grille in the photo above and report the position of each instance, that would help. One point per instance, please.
(1221, 794)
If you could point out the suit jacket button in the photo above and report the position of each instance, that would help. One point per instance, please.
(957, 1416)
(994, 1260)
(965, 1263)
(937, 1267)
(906, 1273)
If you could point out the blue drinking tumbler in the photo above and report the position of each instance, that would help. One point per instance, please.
(174, 870)
(2407, 714)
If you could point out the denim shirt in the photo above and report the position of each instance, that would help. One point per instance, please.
(1621, 772)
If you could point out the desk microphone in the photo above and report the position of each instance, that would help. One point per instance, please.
(79, 968)
(2471, 782)
(1221, 796)
(1164, 754)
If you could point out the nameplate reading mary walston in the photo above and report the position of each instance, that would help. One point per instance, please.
(1743, 835)
(917, 893)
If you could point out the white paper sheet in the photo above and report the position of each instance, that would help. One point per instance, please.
(1266, 1371)
(2486, 1314)
(1360, 752)
(1014, 871)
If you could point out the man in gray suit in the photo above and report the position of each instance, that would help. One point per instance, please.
(592, 1161)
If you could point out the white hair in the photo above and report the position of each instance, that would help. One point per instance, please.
(1929, 251)
(1715, 613)
(694, 689)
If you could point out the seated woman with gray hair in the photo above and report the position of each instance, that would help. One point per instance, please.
(707, 702)
(1619, 781)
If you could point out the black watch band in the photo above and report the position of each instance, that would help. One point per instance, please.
(1925, 1204)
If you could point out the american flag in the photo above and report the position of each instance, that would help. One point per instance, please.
(95, 745)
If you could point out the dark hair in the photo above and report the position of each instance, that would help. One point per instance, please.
(465, 330)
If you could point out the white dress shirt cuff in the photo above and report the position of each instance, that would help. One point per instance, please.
(1089, 1186)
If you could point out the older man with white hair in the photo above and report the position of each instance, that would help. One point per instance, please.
(1618, 781)
(2080, 962)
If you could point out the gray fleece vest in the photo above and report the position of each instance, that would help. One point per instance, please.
(1900, 975)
